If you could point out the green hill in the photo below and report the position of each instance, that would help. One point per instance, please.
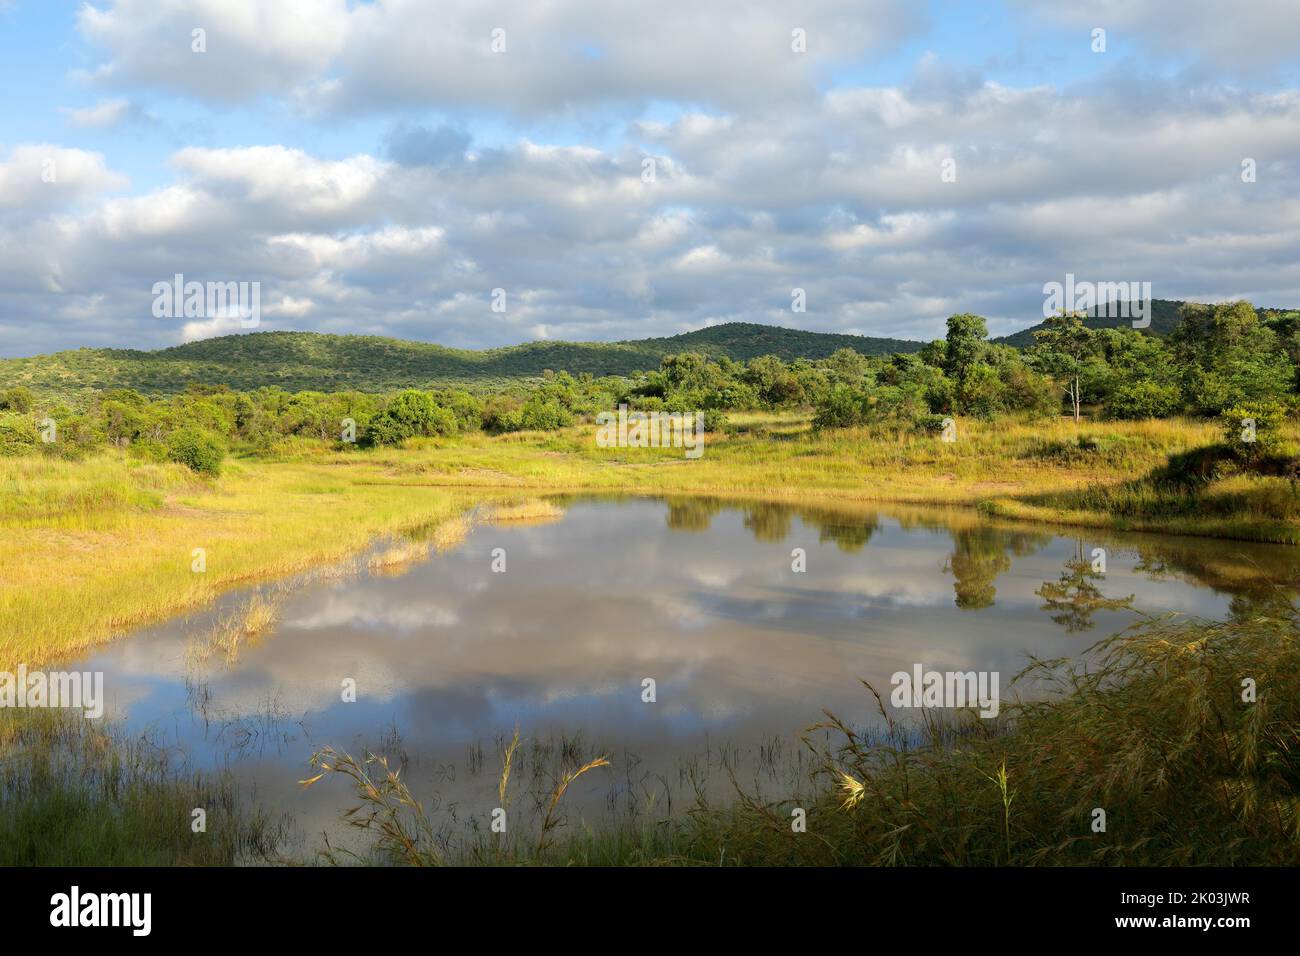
(311, 360)
(1164, 316)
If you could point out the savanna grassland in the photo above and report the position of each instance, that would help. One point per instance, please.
(98, 546)
(147, 505)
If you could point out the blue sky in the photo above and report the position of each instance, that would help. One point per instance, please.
(377, 168)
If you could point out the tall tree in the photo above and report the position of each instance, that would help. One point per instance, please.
(964, 345)
(1064, 346)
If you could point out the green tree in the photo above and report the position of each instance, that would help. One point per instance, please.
(1064, 349)
(197, 450)
(19, 399)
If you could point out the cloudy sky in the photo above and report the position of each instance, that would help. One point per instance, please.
(633, 169)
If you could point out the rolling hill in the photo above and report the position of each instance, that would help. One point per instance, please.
(299, 361)
(311, 360)
(1164, 316)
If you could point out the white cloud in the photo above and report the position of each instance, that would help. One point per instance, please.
(209, 328)
(1228, 34)
(103, 115)
(842, 198)
(328, 54)
(42, 176)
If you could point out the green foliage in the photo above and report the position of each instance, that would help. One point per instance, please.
(1229, 357)
(18, 434)
(964, 346)
(300, 361)
(1217, 358)
(1066, 350)
(197, 450)
(540, 413)
(410, 414)
(1253, 430)
(773, 382)
(843, 407)
(17, 399)
(1143, 399)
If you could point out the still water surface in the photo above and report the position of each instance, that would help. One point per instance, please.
(449, 656)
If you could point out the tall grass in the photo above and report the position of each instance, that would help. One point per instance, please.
(236, 630)
(1150, 750)
(402, 832)
(75, 792)
(92, 549)
(1151, 728)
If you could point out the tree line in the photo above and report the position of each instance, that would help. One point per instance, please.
(1224, 360)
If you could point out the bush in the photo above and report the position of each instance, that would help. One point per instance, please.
(17, 399)
(199, 451)
(980, 392)
(1253, 430)
(1144, 399)
(410, 414)
(18, 434)
(542, 414)
(842, 407)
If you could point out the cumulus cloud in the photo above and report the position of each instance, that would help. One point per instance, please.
(771, 171)
(1226, 34)
(744, 210)
(42, 176)
(103, 115)
(338, 56)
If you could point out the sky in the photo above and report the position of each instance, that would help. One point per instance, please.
(479, 173)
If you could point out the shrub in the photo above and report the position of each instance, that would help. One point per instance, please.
(199, 451)
(17, 399)
(1143, 399)
(1253, 430)
(543, 414)
(842, 407)
(409, 414)
(500, 412)
(18, 434)
(980, 392)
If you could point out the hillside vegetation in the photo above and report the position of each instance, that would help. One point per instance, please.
(311, 361)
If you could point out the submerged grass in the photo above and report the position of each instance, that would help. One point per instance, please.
(1176, 743)
(90, 550)
(1151, 728)
(236, 630)
(401, 832)
(532, 511)
(74, 792)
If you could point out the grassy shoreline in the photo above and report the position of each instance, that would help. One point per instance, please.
(95, 548)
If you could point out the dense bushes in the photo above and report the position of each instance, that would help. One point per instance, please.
(843, 407)
(197, 450)
(1143, 399)
(1253, 430)
(17, 433)
(409, 414)
(1224, 360)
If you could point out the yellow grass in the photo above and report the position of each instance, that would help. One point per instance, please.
(90, 550)
(234, 631)
(398, 556)
(93, 549)
(533, 511)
